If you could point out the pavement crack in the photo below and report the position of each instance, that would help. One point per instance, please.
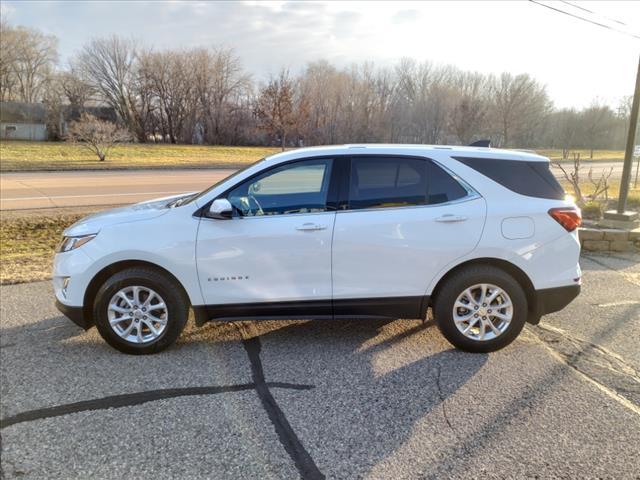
(45, 195)
(604, 368)
(134, 399)
(445, 413)
(291, 443)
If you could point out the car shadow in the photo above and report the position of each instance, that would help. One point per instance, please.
(368, 383)
(56, 329)
(375, 382)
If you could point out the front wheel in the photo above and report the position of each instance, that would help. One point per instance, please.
(480, 309)
(140, 311)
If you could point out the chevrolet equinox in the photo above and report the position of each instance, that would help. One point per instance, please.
(486, 238)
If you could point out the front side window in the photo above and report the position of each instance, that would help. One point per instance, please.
(300, 187)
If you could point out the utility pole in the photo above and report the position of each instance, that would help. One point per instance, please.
(628, 154)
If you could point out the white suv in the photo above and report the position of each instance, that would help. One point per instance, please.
(484, 237)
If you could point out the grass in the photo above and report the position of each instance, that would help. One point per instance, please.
(633, 199)
(38, 156)
(23, 156)
(28, 241)
(598, 155)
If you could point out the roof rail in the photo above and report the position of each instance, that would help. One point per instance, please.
(481, 143)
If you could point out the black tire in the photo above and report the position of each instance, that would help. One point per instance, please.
(460, 281)
(174, 298)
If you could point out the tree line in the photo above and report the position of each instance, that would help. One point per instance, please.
(205, 95)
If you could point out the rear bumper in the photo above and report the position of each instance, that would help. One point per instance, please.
(549, 300)
(75, 314)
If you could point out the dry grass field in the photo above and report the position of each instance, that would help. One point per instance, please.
(18, 156)
(28, 241)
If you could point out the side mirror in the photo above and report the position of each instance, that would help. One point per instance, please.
(220, 209)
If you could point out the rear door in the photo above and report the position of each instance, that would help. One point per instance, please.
(403, 220)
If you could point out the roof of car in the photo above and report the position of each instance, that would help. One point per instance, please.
(436, 150)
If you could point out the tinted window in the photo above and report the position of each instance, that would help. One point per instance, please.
(443, 187)
(533, 179)
(299, 187)
(378, 182)
(387, 182)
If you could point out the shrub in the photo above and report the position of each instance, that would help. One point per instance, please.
(593, 210)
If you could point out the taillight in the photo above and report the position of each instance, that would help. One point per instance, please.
(569, 217)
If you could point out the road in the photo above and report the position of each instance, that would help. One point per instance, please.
(334, 399)
(20, 191)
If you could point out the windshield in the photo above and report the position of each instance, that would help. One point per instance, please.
(188, 200)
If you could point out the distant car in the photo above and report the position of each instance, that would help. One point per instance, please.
(485, 237)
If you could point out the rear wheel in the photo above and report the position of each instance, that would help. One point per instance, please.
(480, 309)
(140, 311)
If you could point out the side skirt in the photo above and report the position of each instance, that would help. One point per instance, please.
(372, 308)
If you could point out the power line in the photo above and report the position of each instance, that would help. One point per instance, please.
(584, 19)
(592, 12)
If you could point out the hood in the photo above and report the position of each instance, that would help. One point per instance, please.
(131, 213)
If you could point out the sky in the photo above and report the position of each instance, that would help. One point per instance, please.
(576, 60)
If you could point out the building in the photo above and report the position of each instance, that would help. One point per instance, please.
(30, 121)
(23, 121)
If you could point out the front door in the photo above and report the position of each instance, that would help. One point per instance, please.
(275, 253)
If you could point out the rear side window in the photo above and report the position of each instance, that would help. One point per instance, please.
(442, 186)
(379, 182)
(533, 179)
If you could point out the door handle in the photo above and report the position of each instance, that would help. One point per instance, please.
(310, 227)
(449, 218)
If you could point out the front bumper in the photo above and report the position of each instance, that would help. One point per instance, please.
(549, 300)
(75, 314)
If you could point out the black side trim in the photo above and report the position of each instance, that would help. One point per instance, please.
(75, 314)
(390, 307)
(549, 300)
(302, 309)
(386, 307)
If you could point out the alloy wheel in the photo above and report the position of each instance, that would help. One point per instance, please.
(483, 312)
(137, 314)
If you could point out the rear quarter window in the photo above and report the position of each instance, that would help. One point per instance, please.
(533, 179)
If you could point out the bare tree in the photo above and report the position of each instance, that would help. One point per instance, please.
(470, 107)
(108, 65)
(76, 89)
(597, 121)
(520, 105)
(220, 82)
(27, 60)
(169, 77)
(600, 186)
(276, 108)
(8, 58)
(98, 136)
(204, 95)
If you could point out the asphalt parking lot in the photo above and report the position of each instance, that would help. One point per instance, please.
(336, 399)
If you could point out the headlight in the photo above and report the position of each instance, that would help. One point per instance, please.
(71, 243)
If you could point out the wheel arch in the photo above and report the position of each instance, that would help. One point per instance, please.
(113, 268)
(516, 272)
